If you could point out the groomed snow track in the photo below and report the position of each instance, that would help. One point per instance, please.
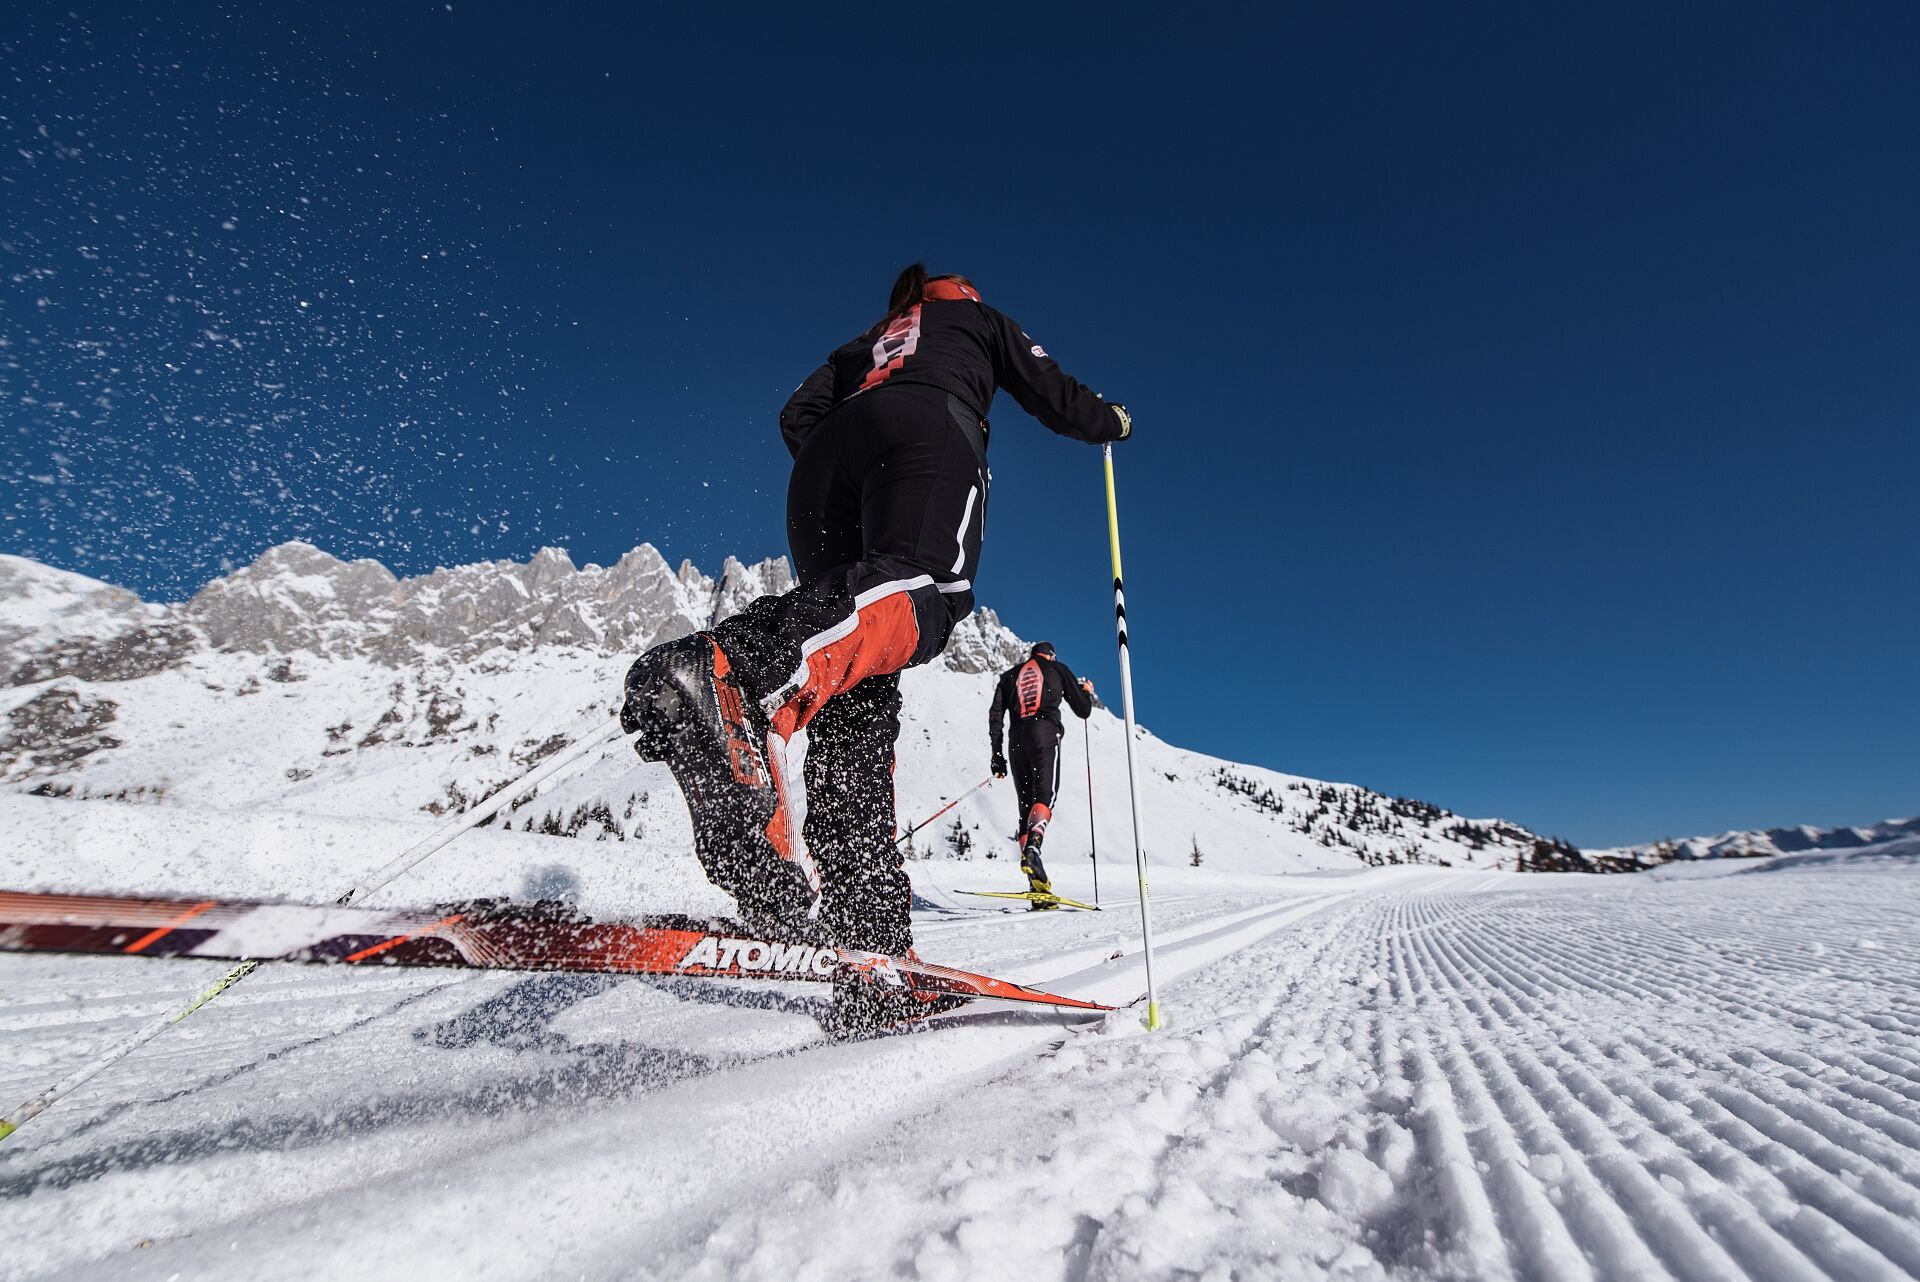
(1399, 1074)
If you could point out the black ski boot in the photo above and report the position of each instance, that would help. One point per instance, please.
(690, 712)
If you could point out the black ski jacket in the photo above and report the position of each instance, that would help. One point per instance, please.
(1035, 689)
(966, 349)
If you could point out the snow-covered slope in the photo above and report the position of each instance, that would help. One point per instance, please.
(1388, 1075)
(305, 684)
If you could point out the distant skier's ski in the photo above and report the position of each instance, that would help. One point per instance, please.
(1031, 895)
(484, 935)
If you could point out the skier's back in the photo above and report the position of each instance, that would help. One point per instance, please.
(1031, 694)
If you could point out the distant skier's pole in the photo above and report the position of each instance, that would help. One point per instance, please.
(599, 737)
(1093, 835)
(943, 810)
(381, 877)
(1126, 705)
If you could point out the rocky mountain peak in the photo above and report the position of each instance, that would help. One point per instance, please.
(549, 565)
(54, 623)
(299, 598)
(294, 597)
(981, 643)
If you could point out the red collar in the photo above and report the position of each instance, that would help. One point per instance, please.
(950, 290)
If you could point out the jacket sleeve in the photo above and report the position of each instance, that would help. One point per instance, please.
(1060, 401)
(1070, 689)
(809, 402)
(996, 714)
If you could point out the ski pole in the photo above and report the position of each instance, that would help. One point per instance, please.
(382, 876)
(943, 810)
(1093, 834)
(1126, 705)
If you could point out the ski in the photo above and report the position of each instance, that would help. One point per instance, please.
(479, 935)
(1033, 896)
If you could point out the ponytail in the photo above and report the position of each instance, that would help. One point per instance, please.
(914, 286)
(908, 289)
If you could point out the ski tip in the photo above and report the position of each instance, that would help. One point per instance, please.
(1153, 1021)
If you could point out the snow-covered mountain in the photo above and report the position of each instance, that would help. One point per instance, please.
(331, 689)
(1754, 843)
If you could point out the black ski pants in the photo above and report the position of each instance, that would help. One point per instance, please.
(885, 512)
(1035, 765)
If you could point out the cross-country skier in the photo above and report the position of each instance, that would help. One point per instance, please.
(1030, 693)
(885, 512)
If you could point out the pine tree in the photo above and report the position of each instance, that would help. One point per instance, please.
(959, 840)
(1196, 857)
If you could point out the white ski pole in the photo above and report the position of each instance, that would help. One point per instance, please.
(599, 737)
(1126, 705)
(412, 855)
(1093, 834)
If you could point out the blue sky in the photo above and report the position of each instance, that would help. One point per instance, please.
(1526, 396)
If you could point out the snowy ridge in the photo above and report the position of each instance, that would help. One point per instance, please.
(298, 598)
(1764, 842)
(306, 684)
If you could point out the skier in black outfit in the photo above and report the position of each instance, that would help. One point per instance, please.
(885, 512)
(1030, 693)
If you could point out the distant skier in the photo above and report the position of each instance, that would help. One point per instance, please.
(885, 512)
(1030, 693)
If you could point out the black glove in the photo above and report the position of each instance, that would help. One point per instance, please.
(999, 766)
(1126, 421)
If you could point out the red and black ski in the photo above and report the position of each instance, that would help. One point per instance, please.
(481, 935)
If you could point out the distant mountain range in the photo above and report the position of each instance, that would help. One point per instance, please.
(1761, 842)
(303, 683)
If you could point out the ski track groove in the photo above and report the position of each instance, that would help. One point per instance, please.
(1797, 1162)
(1894, 1068)
(1741, 1066)
(1838, 1205)
(1732, 1001)
(1599, 1220)
(1528, 1215)
(1458, 1152)
(1872, 1104)
(1697, 1161)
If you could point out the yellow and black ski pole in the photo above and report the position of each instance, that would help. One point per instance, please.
(1126, 707)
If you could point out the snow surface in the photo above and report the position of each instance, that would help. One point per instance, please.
(1388, 1073)
(1414, 1071)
